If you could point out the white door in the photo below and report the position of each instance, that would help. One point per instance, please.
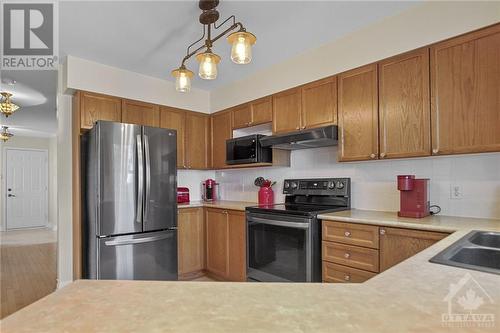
(26, 192)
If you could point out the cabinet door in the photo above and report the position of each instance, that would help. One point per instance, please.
(242, 116)
(221, 131)
(140, 113)
(319, 103)
(217, 229)
(287, 107)
(358, 114)
(262, 111)
(404, 108)
(95, 107)
(197, 126)
(397, 244)
(175, 119)
(465, 76)
(237, 246)
(191, 241)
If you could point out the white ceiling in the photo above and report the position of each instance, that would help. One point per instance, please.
(150, 37)
(35, 92)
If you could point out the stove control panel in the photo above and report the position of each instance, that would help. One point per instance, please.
(321, 186)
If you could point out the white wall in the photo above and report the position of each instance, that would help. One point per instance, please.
(34, 143)
(418, 26)
(374, 182)
(81, 74)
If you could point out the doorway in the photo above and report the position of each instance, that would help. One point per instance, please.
(26, 188)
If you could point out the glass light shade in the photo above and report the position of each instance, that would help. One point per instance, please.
(241, 50)
(182, 79)
(6, 106)
(208, 65)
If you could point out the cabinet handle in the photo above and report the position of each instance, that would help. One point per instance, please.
(372, 155)
(347, 234)
(382, 155)
(297, 128)
(347, 277)
(347, 255)
(435, 151)
(382, 231)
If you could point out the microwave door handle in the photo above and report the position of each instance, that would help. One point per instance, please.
(297, 225)
(140, 180)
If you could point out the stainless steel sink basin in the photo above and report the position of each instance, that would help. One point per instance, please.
(488, 239)
(478, 250)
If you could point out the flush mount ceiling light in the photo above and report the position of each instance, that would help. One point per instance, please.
(5, 134)
(239, 38)
(6, 106)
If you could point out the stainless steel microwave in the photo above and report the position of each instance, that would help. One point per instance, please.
(247, 149)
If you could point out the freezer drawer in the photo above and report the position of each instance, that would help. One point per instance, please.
(145, 256)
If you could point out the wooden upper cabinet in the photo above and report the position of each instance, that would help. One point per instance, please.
(140, 113)
(262, 111)
(242, 116)
(465, 81)
(217, 235)
(358, 114)
(404, 105)
(191, 241)
(319, 103)
(397, 244)
(287, 107)
(175, 119)
(94, 107)
(197, 140)
(221, 131)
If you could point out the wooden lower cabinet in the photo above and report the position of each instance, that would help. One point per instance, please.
(398, 244)
(352, 256)
(191, 243)
(344, 274)
(351, 233)
(226, 244)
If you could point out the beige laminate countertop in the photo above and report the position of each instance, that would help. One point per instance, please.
(409, 297)
(222, 204)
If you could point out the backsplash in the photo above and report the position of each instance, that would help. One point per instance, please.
(373, 183)
(192, 179)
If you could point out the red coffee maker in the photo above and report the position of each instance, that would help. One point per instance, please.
(414, 196)
(210, 190)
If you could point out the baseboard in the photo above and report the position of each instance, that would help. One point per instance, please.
(62, 284)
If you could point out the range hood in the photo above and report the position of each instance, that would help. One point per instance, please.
(311, 138)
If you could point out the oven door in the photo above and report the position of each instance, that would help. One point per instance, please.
(279, 248)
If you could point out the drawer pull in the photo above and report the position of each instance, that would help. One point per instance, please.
(347, 255)
(347, 233)
(347, 277)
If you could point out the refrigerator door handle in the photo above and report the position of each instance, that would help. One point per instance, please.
(148, 177)
(139, 240)
(140, 181)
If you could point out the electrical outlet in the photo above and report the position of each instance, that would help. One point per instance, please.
(456, 191)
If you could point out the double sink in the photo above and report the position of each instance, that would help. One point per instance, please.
(478, 250)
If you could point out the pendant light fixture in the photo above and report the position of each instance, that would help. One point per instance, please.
(6, 106)
(5, 134)
(240, 39)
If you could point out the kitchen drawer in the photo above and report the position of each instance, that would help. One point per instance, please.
(351, 233)
(343, 274)
(353, 256)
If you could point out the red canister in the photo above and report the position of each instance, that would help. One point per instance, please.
(266, 195)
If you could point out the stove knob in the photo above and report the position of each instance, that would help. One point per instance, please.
(287, 185)
(340, 185)
(294, 185)
(331, 185)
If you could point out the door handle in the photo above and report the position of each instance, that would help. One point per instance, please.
(138, 240)
(148, 177)
(140, 180)
(297, 225)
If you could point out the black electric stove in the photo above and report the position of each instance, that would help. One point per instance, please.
(284, 240)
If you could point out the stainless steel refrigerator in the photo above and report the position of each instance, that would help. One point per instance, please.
(129, 202)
